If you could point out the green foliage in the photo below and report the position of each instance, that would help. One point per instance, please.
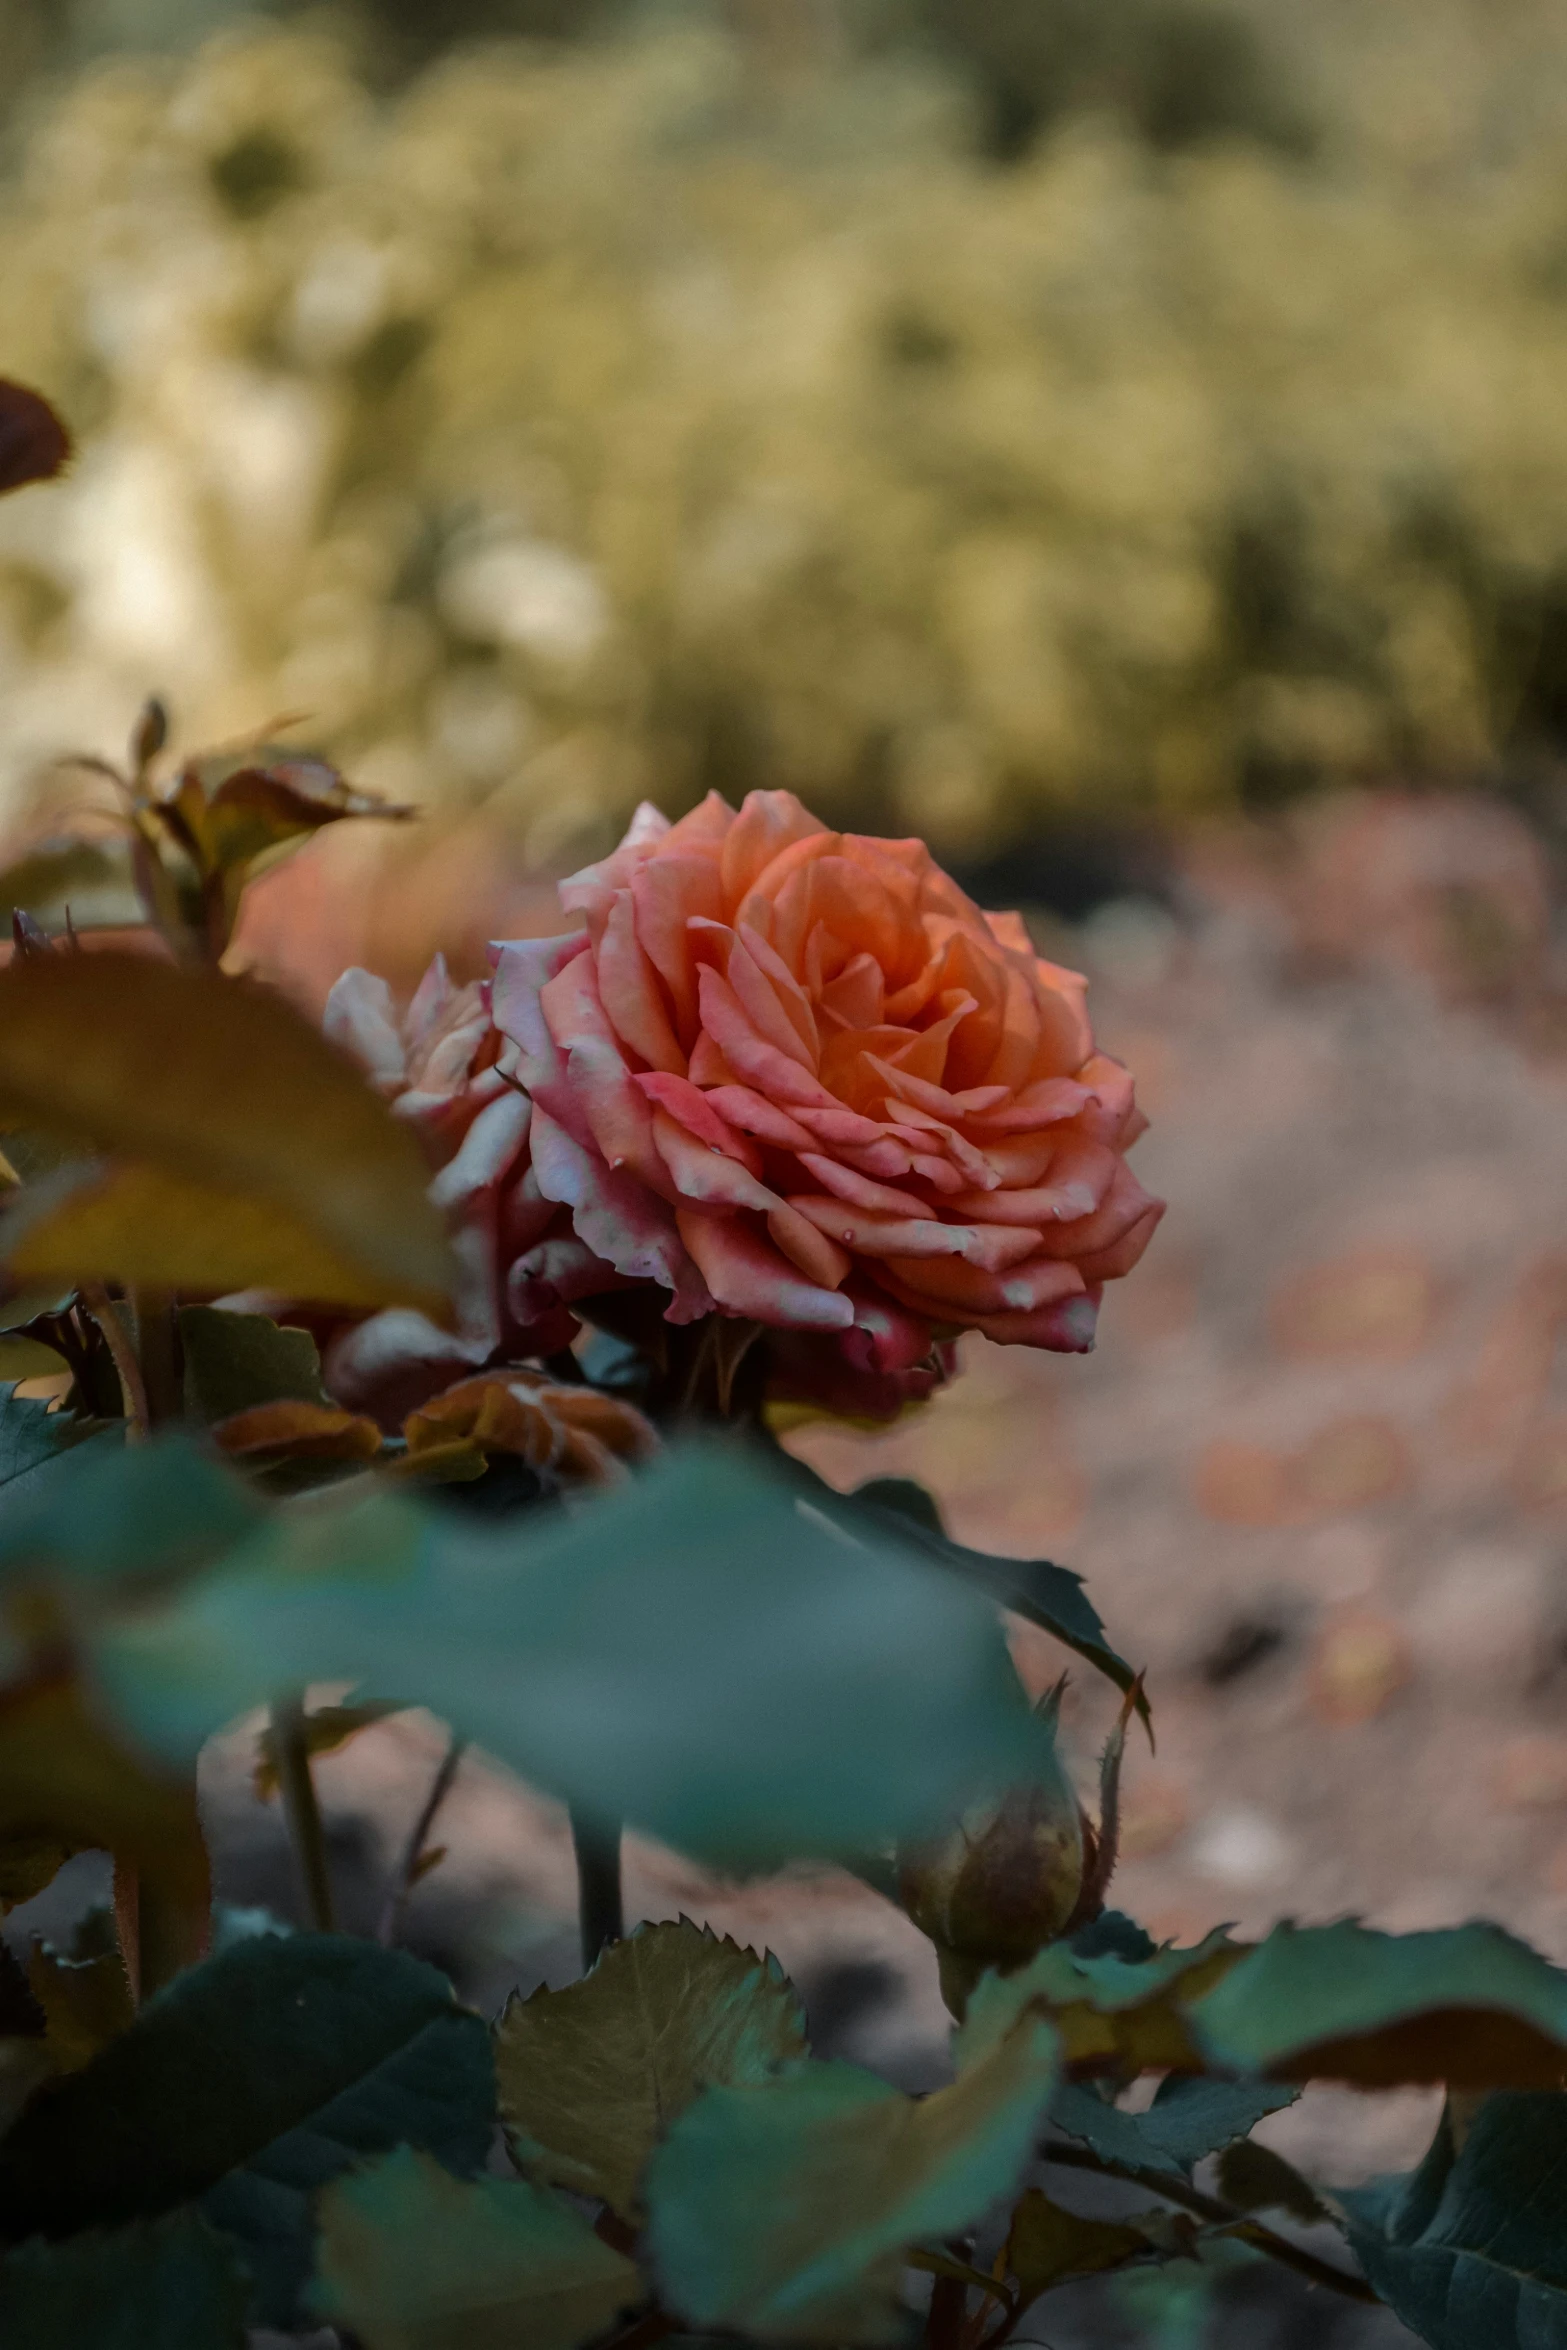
(1471, 2006)
(235, 1360)
(413, 2259)
(831, 1697)
(785, 2211)
(1470, 2250)
(173, 2285)
(247, 2085)
(591, 2076)
(1047, 1595)
(1187, 2120)
(1046, 2245)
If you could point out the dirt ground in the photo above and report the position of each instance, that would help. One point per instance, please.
(1315, 1475)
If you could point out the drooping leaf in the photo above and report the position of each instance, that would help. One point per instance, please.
(690, 1653)
(171, 2285)
(235, 1360)
(1047, 1595)
(34, 444)
(1471, 2006)
(222, 1087)
(412, 2259)
(1046, 2245)
(1470, 2250)
(591, 2076)
(1136, 2011)
(786, 2211)
(1187, 2120)
(247, 2084)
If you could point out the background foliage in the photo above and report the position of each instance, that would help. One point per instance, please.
(949, 412)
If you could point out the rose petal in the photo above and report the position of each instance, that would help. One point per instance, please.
(631, 994)
(361, 1020)
(749, 1055)
(620, 1219)
(755, 1115)
(748, 1275)
(699, 1114)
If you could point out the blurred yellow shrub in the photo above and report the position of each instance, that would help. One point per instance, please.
(625, 419)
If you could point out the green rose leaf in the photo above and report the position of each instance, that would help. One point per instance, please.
(410, 2258)
(233, 1361)
(247, 2084)
(33, 1439)
(1471, 2006)
(1046, 2245)
(173, 2285)
(125, 1515)
(593, 2075)
(693, 1653)
(1470, 2250)
(787, 2211)
(1187, 2120)
(1047, 1595)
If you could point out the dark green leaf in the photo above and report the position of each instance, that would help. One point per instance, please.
(125, 1514)
(1471, 2006)
(691, 1653)
(787, 2211)
(1045, 1594)
(248, 2084)
(31, 1435)
(591, 2076)
(174, 2285)
(412, 2259)
(1470, 2250)
(233, 1361)
(1187, 2120)
(1046, 2245)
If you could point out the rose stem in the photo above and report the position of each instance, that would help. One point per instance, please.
(1208, 2207)
(596, 1843)
(413, 1851)
(133, 1388)
(300, 1808)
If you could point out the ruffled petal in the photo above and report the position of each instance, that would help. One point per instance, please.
(749, 1275)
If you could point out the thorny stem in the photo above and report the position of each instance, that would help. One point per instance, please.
(155, 1347)
(413, 1852)
(600, 1914)
(133, 1387)
(1217, 2214)
(301, 1810)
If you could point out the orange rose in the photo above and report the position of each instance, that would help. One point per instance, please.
(796, 1075)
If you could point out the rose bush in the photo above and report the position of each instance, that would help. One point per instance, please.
(796, 1075)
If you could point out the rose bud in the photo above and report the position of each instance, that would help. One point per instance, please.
(1012, 1875)
(1004, 1880)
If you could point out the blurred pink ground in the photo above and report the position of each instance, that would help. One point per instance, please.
(1316, 1472)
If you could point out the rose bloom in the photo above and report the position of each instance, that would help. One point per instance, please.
(446, 1068)
(796, 1075)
